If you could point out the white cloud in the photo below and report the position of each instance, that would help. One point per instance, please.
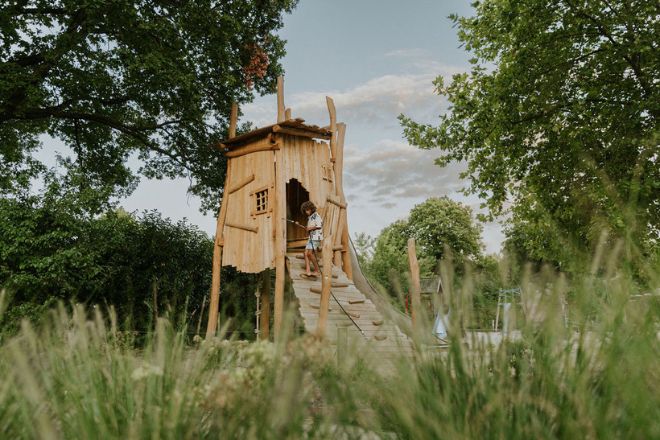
(375, 103)
(392, 169)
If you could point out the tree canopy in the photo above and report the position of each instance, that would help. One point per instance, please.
(119, 79)
(558, 115)
(438, 225)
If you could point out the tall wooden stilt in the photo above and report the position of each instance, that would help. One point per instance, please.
(333, 127)
(326, 283)
(281, 111)
(233, 119)
(343, 239)
(265, 305)
(279, 217)
(214, 303)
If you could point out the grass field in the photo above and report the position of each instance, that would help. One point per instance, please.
(78, 376)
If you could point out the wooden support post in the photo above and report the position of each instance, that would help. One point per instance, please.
(233, 118)
(214, 303)
(279, 217)
(415, 284)
(326, 283)
(333, 127)
(339, 185)
(281, 112)
(337, 242)
(287, 114)
(265, 305)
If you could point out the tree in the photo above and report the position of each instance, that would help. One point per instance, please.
(438, 225)
(558, 115)
(118, 79)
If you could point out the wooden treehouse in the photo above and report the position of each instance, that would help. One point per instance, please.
(271, 171)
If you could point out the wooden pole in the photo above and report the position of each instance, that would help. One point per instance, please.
(338, 156)
(281, 112)
(265, 305)
(333, 127)
(287, 114)
(212, 324)
(233, 118)
(415, 284)
(279, 217)
(326, 283)
(339, 184)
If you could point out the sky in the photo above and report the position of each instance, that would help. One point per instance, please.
(377, 59)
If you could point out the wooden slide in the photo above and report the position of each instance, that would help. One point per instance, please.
(349, 308)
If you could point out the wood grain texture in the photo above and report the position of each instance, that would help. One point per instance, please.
(415, 282)
(325, 287)
(241, 184)
(211, 326)
(233, 119)
(281, 112)
(279, 203)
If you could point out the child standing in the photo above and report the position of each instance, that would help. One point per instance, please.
(315, 230)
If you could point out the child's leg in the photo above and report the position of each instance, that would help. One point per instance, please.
(308, 254)
(314, 260)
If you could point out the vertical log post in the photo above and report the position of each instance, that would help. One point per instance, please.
(339, 184)
(415, 285)
(281, 112)
(333, 127)
(214, 302)
(326, 282)
(233, 119)
(287, 114)
(265, 305)
(279, 217)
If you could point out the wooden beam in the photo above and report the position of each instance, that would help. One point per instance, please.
(346, 256)
(264, 319)
(326, 282)
(280, 99)
(337, 247)
(298, 132)
(212, 324)
(415, 283)
(279, 219)
(233, 118)
(336, 202)
(248, 228)
(241, 184)
(333, 126)
(287, 114)
(266, 145)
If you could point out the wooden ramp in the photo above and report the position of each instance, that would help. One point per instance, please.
(349, 309)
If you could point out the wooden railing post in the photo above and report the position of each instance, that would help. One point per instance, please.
(414, 284)
(326, 282)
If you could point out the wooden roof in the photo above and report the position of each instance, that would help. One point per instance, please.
(295, 127)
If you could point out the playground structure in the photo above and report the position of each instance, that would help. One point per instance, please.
(271, 171)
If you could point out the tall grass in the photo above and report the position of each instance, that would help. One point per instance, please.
(78, 376)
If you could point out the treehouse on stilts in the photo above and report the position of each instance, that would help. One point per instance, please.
(271, 171)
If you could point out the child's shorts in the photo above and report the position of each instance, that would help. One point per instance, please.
(313, 245)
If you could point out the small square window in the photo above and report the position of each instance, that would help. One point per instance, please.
(261, 201)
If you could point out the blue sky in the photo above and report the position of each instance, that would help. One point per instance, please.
(377, 59)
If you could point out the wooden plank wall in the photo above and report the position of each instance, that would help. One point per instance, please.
(303, 160)
(249, 252)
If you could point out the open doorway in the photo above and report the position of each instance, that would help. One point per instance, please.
(296, 195)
